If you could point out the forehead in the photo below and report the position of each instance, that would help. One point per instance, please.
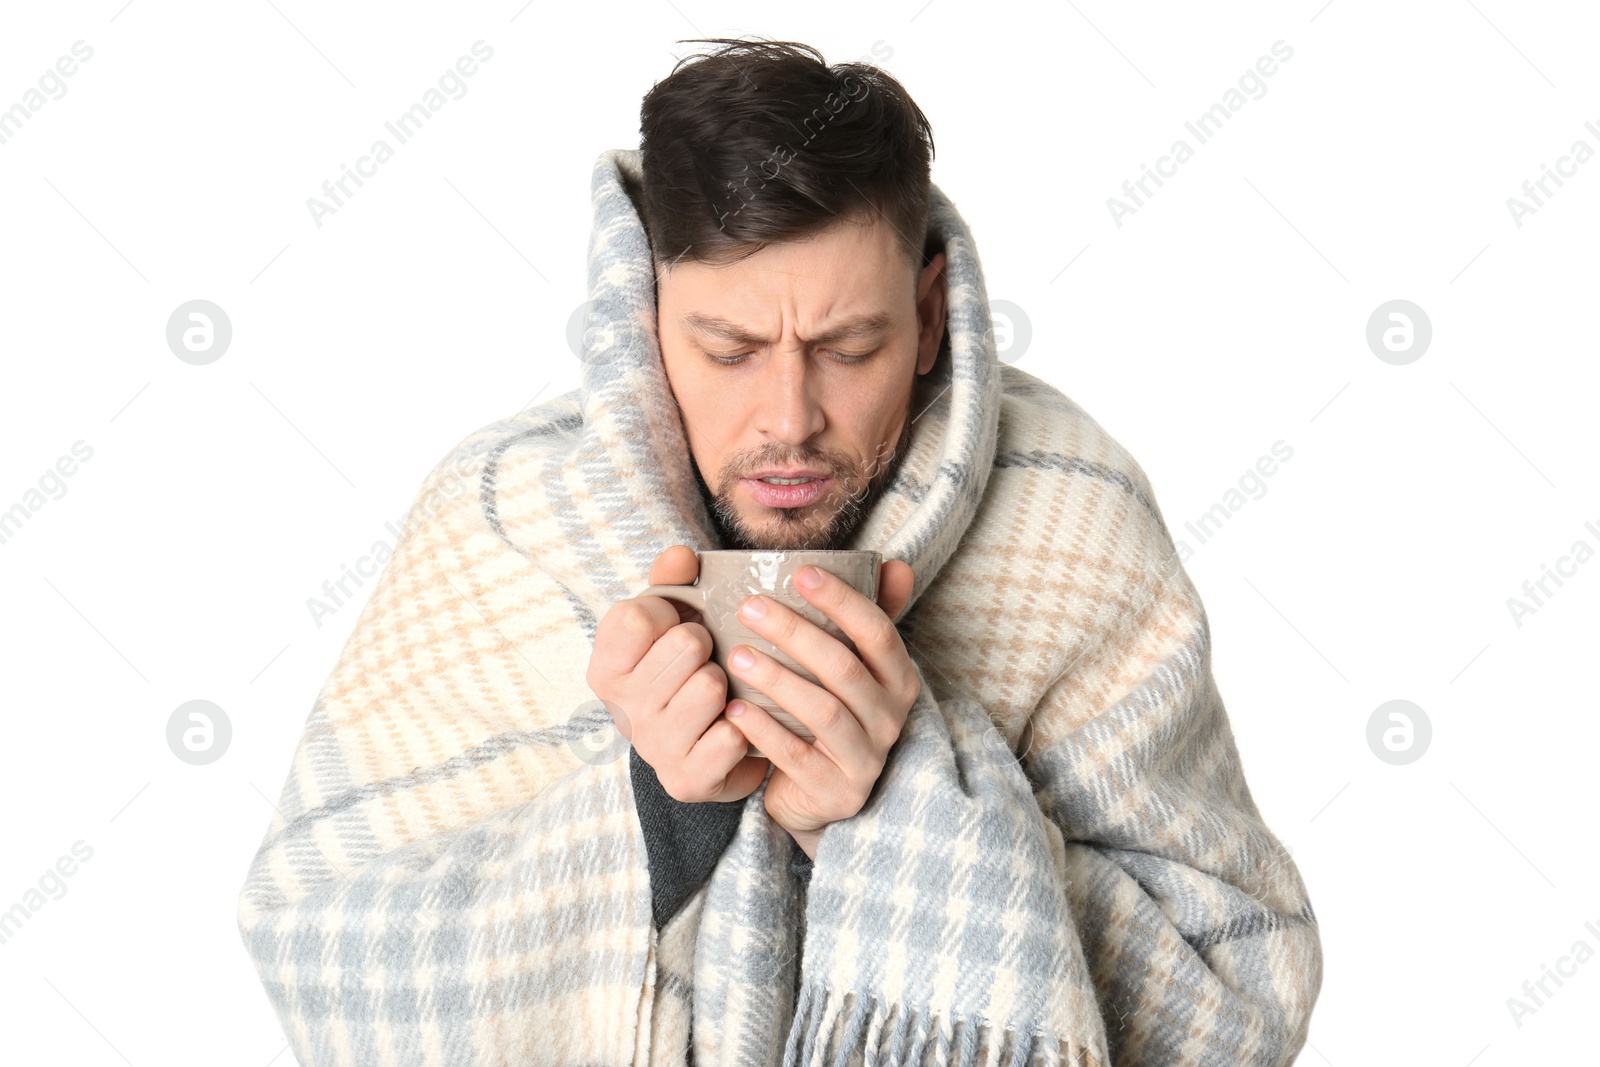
(853, 267)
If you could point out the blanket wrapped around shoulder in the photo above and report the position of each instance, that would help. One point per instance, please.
(1060, 864)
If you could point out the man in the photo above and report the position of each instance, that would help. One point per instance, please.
(793, 350)
(1023, 831)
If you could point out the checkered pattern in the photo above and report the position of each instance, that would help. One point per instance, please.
(1061, 863)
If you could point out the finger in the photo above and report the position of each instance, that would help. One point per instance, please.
(746, 775)
(895, 582)
(677, 565)
(878, 644)
(838, 670)
(628, 631)
(787, 751)
(839, 734)
(690, 713)
(722, 757)
(676, 656)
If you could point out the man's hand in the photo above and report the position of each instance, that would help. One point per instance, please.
(651, 668)
(857, 711)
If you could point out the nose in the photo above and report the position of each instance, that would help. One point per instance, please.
(789, 412)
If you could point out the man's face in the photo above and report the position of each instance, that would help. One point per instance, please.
(792, 400)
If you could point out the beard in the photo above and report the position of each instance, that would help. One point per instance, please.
(827, 524)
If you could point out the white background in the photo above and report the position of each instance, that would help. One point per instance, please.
(1228, 313)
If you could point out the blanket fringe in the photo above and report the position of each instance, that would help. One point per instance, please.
(849, 1030)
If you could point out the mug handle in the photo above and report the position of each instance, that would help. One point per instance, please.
(693, 596)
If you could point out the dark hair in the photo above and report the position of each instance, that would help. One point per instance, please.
(763, 141)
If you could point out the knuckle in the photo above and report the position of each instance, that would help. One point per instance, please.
(797, 749)
(682, 640)
(849, 669)
(633, 617)
(837, 595)
(708, 682)
(911, 684)
(830, 714)
(882, 634)
(888, 734)
(701, 635)
(785, 625)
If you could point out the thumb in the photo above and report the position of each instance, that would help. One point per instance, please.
(678, 565)
(895, 581)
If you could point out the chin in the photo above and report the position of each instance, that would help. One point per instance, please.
(779, 534)
(782, 530)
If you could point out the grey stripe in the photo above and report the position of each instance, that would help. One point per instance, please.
(1035, 459)
(675, 985)
(491, 468)
(1251, 925)
(489, 496)
(470, 758)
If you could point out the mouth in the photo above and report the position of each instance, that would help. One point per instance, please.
(787, 489)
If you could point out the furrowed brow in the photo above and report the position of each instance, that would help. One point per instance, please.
(856, 326)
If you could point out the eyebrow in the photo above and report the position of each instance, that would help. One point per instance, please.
(866, 325)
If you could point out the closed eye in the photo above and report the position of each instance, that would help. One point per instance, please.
(846, 358)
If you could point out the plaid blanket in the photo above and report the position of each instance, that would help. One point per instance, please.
(1061, 863)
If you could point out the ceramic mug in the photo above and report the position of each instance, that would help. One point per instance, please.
(728, 576)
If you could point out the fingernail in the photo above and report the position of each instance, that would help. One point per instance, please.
(742, 659)
(753, 608)
(736, 709)
(809, 577)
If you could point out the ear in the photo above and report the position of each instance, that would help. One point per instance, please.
(930, 312)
